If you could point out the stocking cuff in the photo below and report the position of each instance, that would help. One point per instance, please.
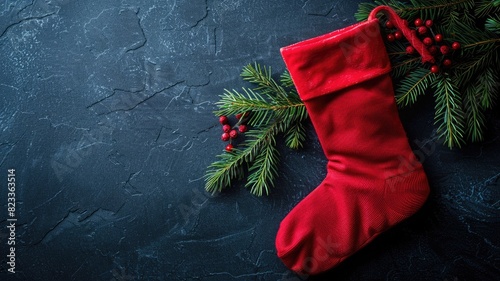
(337, 60)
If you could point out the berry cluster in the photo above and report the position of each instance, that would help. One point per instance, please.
(434, 42)
(230, 133)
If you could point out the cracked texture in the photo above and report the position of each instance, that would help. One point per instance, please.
(106, 115)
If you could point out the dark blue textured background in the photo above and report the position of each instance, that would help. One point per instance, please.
(106, 115)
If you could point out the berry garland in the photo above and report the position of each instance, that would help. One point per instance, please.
(462, 35)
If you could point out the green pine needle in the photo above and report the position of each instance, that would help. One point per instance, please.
(474, 67)
(286, 80)
(261, 76)
(475, 116)
(413, 86)
(295, 136)
(264, 169)
(486, 7)
(364, 10)
(493, 24)
(487, 85)
(221, 173)
(401, 69)
(234, 102)
(449, 114)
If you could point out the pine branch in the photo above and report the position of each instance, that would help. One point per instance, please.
(473, 39)
(286, 80)
(295, 136)
(264, 170)
(396, 48)
(468, 18)
(401, 69)
(486, 86)
(449, 114)
(474, 67)
(452, 22)
(261, 76)
(490, 42)
(234, 102)
(493, 24)
(273, 109)
(486, 7)
(291, 111)
(475, 116)
(220, 174)
(364, 9)
(433, 8)
(413, 86)
(284, 106)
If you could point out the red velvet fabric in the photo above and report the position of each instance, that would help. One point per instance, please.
(373, 178)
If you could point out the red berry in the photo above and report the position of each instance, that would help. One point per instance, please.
(390, 37)
(233, 134)
(447, 62)
(422, 30)
(427, 41)
(398, 35)
(438, 37)
(223, 119)
(419, 22)
(434, 69)
(242, 128)
(389, 24)
(429, 23)
(225, 137)
(239, 115)
(455, 46)
(229, 147)
(444, 49)
(410, 50)
(226, 128)
(433, 50)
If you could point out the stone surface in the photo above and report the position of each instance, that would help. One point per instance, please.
(106, 115)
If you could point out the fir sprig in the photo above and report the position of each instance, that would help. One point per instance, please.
(274, 109)
(449, 113)
(231, 165)
(402, 69)
(413, 86)
(261, 76)
(475, 116)
(465, 91)
(493, 24)
(264, 169)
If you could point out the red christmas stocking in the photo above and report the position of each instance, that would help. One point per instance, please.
(373, 179)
